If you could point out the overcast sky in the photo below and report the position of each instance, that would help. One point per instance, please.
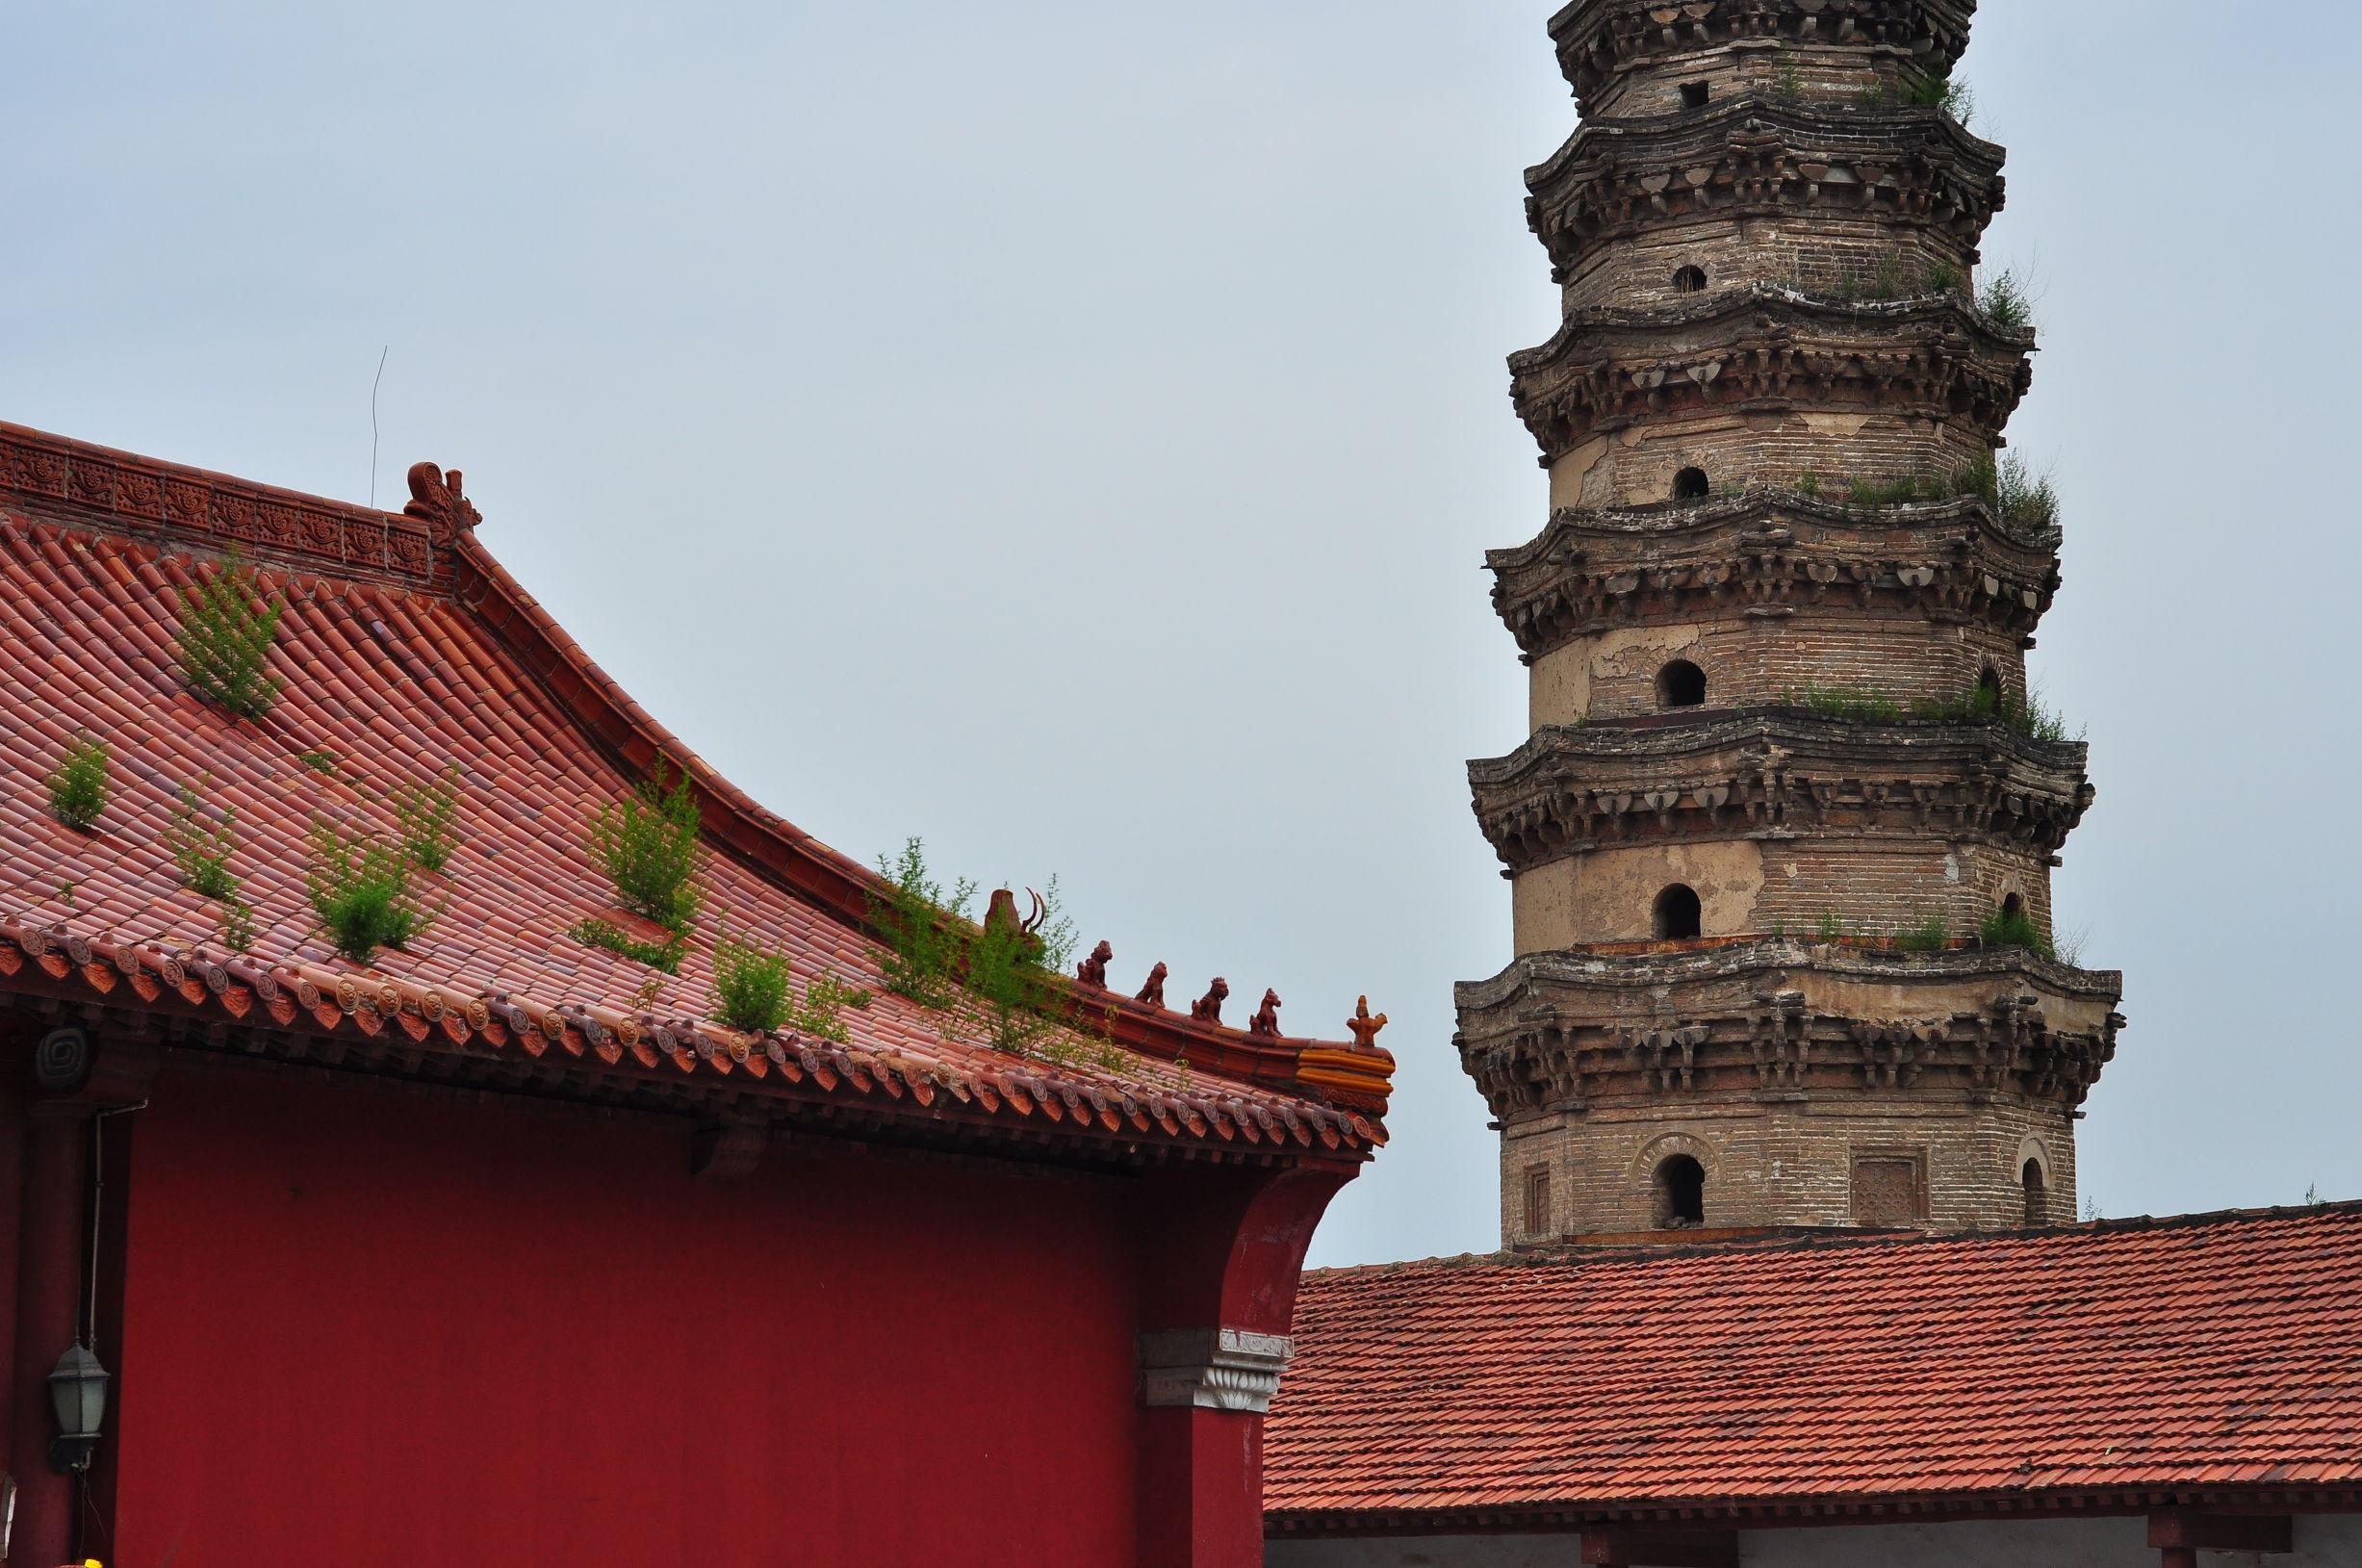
(1070, 430)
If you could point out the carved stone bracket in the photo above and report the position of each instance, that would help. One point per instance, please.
(1213, 1369)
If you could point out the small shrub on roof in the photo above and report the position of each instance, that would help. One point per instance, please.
(750, 986)
(820, 1011)
(78, 786)
(920, 924)
(1014, 975)
(360, 889)
(427, 816)
(228, 624)
(665, 955)
(200, 851)
(236, 925)
(649, 845)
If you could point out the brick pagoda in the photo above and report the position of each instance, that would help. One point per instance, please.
(1780, 840)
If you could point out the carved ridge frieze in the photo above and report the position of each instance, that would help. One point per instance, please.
(64, 478)
(1757, 156)
(1599, 39)
(1543, 1050)
(1770, 553)
(1763, 349)
(1573, 790)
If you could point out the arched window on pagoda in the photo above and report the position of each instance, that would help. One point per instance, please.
(1689, 280)
(1678, 915)
(2038, 1193)
(1680, 684)
(1691, 484)
(1681, 1194)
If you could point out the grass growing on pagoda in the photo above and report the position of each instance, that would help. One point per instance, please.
(78, 788)
(648, 842)
(2005, 302)
(2025, 500)
(427, 816)
(360, 889)
(2033, 717)
(2007, 928)
(1928, 935)
(228, 625)
(201, 851)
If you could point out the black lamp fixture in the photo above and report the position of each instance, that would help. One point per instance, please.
(78, 1393)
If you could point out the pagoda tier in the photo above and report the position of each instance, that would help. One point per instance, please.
(1610, 789)
(1770, 555)
(1620, 54)
(1776, 630)
(1764, 349)
(1829, 196)
(1811, 1078)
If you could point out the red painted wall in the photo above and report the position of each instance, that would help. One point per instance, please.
(365, 1329)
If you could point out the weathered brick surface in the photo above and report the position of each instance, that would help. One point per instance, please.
(1736, 447)
(1766, 253)
(1753, 660)
(1788, 1164)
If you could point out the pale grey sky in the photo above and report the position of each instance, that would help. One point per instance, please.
(1070, 431)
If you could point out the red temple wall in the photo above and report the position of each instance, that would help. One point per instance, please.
(371, 1328)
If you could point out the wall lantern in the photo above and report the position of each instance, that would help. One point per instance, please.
(77, 1391)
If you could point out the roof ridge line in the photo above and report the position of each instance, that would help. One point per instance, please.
(74, 481)
(841, 885)
(1834, 1239)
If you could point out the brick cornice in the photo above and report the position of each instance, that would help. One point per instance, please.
(1912, 166)
(1571, 790)
(1768, 348)
(1737, 1022)
(1770, 551)
(1600, 39)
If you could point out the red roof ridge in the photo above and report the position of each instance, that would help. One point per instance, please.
(432, 547)
(1832, 1239)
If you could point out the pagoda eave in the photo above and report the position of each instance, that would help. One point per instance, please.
(1771, 547)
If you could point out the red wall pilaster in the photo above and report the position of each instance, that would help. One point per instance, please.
(1225, 1257)
(1200, 1489)
(48, 1301)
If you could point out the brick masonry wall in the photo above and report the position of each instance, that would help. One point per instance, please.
(1637, 465)
(1763, 884)
(1814, 75)
(1828, 257)
(1754, 662)
(1769, 1161)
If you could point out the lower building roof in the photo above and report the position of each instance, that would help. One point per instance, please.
(407, 655)
(2197, 1354)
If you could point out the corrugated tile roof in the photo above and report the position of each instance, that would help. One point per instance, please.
(405, 648)
(2208, 1352)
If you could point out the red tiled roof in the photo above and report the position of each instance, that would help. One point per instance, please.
(405, 647)
(2210, 1353)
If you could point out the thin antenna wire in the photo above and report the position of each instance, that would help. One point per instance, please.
(373, 424)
